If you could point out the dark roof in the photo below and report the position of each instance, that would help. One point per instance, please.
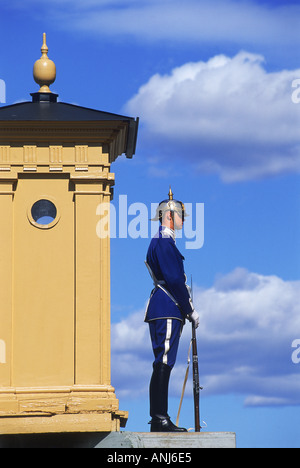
(52, 111)
(55, 111)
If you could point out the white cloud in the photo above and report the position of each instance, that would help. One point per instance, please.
(248, 324)
(227, 115)
(192, 20)
(131, 357)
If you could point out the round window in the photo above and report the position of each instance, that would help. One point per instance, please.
(43, 214)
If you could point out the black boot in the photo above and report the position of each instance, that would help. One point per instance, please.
(165, 425)
(159, 389)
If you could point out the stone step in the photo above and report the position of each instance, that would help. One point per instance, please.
(168, 440)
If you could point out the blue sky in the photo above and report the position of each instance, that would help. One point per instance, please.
(212, 82)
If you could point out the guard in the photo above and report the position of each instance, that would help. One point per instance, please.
(169, 306)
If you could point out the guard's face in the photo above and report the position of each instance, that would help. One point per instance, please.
(178, 222)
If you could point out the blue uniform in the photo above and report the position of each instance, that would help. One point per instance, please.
(170, 301)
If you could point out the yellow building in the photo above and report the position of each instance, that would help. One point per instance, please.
(54, 270)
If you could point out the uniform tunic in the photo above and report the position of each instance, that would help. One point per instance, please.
(170, 301)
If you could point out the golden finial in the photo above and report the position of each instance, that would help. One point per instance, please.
(170, 194)
(44, 70)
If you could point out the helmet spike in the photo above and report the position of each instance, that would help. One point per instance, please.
(170, 194)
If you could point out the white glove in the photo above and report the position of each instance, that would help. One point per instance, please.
(194, 318)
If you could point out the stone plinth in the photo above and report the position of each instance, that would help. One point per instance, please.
(169, 440)
(122, 440)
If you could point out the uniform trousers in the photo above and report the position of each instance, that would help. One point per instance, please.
(165, 336)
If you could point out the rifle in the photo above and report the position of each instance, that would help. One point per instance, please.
(196, 385)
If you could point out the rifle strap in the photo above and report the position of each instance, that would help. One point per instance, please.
(185, 382)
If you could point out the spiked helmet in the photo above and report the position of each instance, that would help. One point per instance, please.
(174, 206)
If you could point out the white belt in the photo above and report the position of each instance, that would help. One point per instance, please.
(160, 284)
